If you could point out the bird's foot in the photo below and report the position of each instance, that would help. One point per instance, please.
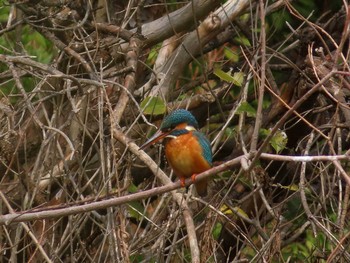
(193, 177)
(182, 181)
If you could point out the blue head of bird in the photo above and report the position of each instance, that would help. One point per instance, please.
(173, 125)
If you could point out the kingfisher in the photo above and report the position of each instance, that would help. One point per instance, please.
(187, 150)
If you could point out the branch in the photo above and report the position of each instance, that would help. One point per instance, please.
(113, 29)
(130, 79)
(57, 212)
(330, 158)
(180, 20)
(54, 212)
(261, 88)
(195, 41)
(315, 158)
(47, 69)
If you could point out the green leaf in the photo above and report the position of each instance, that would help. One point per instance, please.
(136, 210)
(247, 108)
(223, 75)
(264, 133)
(227, 211)
(4, 11)
(217, 231)
(243, 41)
(132, 188)
(236, 79)
(153, 106)
(279, 141)
(232, 54)
(292, 187)
(152, 56)
(37, 45)
(136, 258)
(241, 212)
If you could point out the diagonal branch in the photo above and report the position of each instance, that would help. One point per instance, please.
(180, 20)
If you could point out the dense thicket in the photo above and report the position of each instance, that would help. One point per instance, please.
(83, 83)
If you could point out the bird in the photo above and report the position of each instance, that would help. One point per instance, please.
(187, 150)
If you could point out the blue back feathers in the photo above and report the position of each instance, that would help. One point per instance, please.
(204, 142)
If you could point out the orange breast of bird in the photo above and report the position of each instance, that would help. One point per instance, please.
(185, 155)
